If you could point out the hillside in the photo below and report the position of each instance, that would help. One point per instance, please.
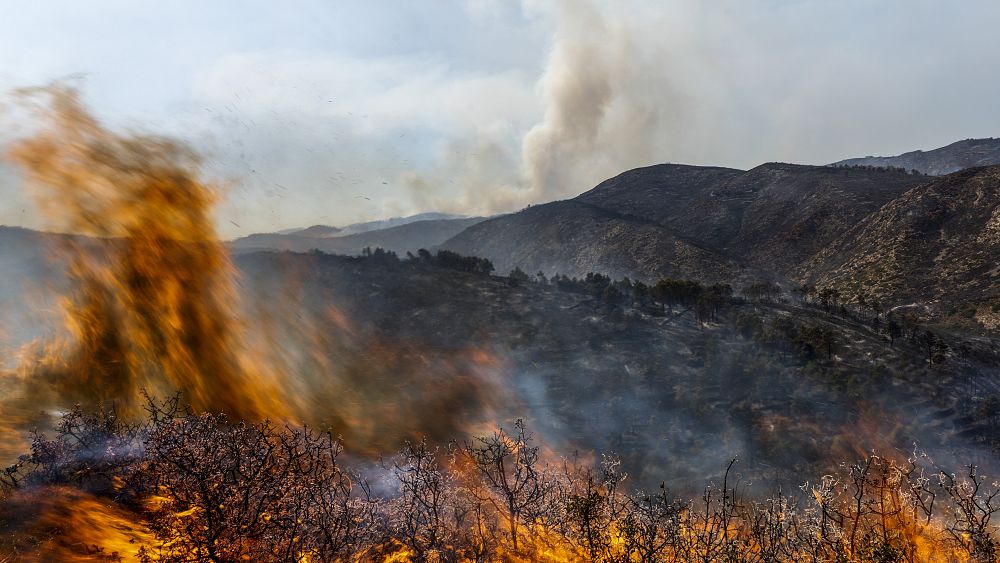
(772, 216)
(937, 243)
(670, 219)
(957, 156)
(673, 387)
(573, 238)
(784, 386)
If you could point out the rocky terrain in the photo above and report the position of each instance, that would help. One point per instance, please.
(771, 217)
(936, 243)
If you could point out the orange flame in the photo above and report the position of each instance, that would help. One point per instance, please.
(153, 304)
(65, 524)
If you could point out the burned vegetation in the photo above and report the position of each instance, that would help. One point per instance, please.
(788, 381)
(199, 487)
(792, 381)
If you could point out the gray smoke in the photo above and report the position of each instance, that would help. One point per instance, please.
(608, 104)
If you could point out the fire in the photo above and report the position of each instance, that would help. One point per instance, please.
(374, 390)
(152, 305)
(66, 524)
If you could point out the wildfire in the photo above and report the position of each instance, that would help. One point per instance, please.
(66, 524)
(152, 304)
(153, 307)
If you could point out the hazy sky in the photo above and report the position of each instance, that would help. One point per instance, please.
(334, 111)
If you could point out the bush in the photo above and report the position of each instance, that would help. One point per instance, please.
(208, 489)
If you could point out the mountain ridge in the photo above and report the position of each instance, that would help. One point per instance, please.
(724, 222)
(326, 231)
(967, 153)
(407, 237)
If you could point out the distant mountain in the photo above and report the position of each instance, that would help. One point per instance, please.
(396, 222)
(324, 231)
(699, 222)
(945, 160)
(315, 231)
(409, 236)
(939, 242)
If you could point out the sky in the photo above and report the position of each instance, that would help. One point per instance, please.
(334, 112)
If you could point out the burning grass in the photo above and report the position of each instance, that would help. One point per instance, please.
(181, 486)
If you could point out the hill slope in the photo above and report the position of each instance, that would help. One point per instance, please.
(573, 238)
(688, 220)
(937, 242)
(673, 396)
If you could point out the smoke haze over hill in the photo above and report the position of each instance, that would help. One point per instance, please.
(317, 115)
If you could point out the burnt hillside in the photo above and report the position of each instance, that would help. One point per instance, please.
(675, 384)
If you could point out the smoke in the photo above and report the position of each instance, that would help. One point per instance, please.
(585, 82)
(629, 83)
(326, 121)
(151, 303)
(607, 105)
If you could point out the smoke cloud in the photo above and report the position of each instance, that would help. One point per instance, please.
(606, 107)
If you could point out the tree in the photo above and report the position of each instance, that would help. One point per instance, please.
(989, 410)
(611, 295)
(829, 299)
(933, 347)
(805, 291)
(876, 307)
(762, 291)
(519, 483)
(817, 339)
(420, 517)
(939, 352)
(455, 261)
(894, 329)
(640, 292)
(517, 277)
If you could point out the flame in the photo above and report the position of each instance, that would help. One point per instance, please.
(66, 524)
(374, 390)
(153, 304)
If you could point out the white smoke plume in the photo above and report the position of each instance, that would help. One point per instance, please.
(608, 105)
